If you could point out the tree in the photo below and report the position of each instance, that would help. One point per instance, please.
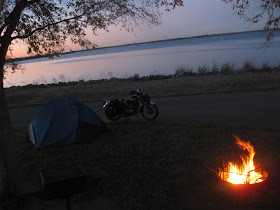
(46, 25)
(259, 10)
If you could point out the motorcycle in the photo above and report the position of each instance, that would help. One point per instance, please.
(130, 106)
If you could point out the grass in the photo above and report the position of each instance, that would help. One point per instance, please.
(164, 87)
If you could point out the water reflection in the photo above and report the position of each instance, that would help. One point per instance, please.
(149, 58)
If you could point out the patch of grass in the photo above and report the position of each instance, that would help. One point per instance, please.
(167, 86)
(184, 81)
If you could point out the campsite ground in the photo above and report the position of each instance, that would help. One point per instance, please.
(154, 165)
(157, 166)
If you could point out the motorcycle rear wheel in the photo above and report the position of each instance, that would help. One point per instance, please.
(149, 111)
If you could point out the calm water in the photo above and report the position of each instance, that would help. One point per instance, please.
(150, 58)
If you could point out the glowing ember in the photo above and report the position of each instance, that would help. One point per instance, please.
(246, 172)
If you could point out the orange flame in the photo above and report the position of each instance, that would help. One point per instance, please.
(246, 173)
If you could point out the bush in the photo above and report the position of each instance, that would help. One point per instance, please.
(227, 68)
(248, 67)
(265, 67)
(215, 69)
(203, 70)
(136, 77)
(183, 71)
(276, 68)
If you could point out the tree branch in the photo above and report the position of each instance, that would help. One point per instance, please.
(46, 26)
(10, 19)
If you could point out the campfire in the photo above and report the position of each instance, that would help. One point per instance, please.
(238, 167)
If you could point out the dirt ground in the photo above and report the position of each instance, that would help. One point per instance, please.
(157, 166)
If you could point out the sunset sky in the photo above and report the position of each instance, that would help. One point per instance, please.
(197, 17)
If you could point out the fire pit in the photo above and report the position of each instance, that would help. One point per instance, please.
(238, 167)
(236, 178)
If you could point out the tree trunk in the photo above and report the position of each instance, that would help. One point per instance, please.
(7, 144)
(11, 182)
(3, 138)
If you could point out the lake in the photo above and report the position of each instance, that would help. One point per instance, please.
(149, 58)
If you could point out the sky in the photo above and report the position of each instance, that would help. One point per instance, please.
(197, 17)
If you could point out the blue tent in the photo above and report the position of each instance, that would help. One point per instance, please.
(64, 121)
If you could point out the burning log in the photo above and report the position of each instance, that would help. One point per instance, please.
(238, 167)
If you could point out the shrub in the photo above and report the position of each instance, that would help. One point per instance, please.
(215, 69)
(136, 77)
(203, 70)
(154, 75)
(227, 68)
(248, 67)
(265, 67)
(276, 68)
(183, 71)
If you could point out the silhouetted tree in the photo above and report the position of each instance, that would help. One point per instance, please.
(45, 25)
(259, 10)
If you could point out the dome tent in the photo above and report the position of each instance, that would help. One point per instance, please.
(64, 121)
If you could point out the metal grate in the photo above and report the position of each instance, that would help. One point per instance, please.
(236, 157)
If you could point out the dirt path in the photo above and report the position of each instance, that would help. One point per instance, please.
(246, 109)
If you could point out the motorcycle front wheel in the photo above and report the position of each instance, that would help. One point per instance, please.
(112, 112)
(149, 111)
